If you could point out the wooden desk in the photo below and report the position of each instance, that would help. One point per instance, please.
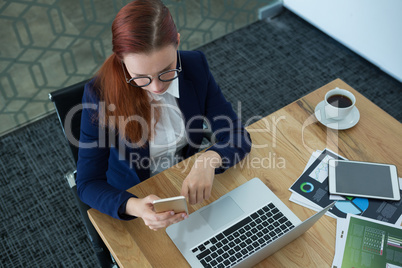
(282, 144)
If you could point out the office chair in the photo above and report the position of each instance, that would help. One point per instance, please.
(64, 100)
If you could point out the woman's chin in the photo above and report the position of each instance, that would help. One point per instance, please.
(159, 92)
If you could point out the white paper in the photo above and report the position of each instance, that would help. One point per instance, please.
(298, 199)
(340, 241)
(399, 221)
(342, 226)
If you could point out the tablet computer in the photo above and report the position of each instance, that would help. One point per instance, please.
(363, 179)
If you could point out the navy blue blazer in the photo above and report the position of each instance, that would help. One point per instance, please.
(104, 175)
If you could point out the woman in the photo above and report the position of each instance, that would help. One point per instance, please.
(144, 110)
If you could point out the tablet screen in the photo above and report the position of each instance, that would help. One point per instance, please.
(363, 179)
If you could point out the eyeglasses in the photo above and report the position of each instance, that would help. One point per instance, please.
(143, 81)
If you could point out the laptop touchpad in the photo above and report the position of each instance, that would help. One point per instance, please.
(221, 212)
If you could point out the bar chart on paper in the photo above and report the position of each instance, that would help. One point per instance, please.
(373, 240)
(365, 242)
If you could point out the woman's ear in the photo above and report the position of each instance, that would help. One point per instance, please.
(178, 40)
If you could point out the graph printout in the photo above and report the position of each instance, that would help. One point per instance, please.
(313, 185)
(371, 243)
(320, 172)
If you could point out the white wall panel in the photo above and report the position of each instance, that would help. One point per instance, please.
(371, 28)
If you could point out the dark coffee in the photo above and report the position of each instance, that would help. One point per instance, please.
(339, 101)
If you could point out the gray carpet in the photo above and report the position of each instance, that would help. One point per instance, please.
(265, 66)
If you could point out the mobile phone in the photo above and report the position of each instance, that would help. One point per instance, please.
(177, 204)
(363, 179)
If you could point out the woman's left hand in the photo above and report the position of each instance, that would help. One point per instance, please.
(198, 184)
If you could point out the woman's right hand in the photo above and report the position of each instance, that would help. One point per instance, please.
(143, 208)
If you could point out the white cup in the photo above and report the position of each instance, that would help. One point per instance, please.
(338, 113)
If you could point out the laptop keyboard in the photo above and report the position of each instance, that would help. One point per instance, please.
(244, 238)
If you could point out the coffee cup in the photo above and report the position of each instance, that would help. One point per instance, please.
(338, 103)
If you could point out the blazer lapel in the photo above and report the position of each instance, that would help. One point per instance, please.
(141, 164)
(189, 106)
(187, 99)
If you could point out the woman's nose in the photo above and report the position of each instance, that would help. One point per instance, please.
(156, 85)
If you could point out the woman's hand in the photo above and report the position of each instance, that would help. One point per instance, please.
(198, 184)
(143, 208)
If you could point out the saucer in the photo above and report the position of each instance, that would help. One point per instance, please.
(349, 121)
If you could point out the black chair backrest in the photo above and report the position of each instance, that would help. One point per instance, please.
(65, 100)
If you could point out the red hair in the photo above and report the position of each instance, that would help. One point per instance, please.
(142, 26)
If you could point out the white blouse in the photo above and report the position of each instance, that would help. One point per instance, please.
(169, 133)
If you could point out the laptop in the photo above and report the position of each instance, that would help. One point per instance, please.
(240, 229)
